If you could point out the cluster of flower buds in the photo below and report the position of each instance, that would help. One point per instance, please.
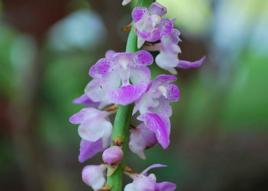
(124, 78)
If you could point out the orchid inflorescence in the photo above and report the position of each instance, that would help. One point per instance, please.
(122, 83)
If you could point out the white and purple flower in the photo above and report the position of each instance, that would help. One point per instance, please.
(94, 129)
(145, 182)
(119, 78)
(155, 110)
(149, 23)
(124, 78)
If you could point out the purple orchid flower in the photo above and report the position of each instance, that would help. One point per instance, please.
(93, 125)
(141, 138)
(94, 176)
(158, 96)
(145, 182)
(168, 59)
(149, 24)
(154, 107)
(119, 78)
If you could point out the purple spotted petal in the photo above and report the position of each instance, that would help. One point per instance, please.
(100, 69)
(127, 94)
(165, 186)
(88, 149)
(166, 27)
(160, 125)
(184, 64)
(173, 92)
(143, 57)
(145, 171)
(157, 9)
(138, 13)
(85, 100)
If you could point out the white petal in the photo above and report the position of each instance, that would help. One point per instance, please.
(92, 130)
(140, 75)
(130, 187)
(93, 175)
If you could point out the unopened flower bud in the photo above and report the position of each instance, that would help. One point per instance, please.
(112, 155)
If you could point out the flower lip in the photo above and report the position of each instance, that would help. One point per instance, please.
(159, 124)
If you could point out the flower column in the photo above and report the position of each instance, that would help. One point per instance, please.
(122, 119)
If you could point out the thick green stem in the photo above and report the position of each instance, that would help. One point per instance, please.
(122, 119)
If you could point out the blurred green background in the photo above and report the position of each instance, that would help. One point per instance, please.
(219, 133)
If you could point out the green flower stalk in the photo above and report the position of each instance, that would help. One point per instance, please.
(128, 83)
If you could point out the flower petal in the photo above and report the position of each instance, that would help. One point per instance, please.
(141, 138)
(78, 117)
(163, 107)
(130, 187)
(145, 171)
(173, 92)
(138, 13)
(100, 69)
(165, 186)
(184, 64)
(165, 78)
(85, 100)
(166, 27)
(88, 149)
(160, 125)
(98, 89)
(127, 94)
(167, 61)
(140, 74)
(143, 57)
(144, 183)
(93, 175)
(157, 9)
(94, 129)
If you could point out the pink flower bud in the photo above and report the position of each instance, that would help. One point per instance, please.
(112, 155)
